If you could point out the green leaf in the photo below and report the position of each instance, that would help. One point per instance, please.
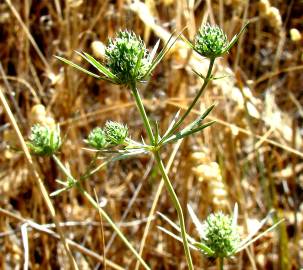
(157, 133)
(128, 155)
(176, 227)
(177, 237)
(187, 42)
(77, 67)
(63, 183)
(172, 124)
(204, 249)
(186, 133)
(199, 119)
(235, 38)
(199, 74)
(102, 69)
(221, 77)
(154, 51)
(162, 53)
(57, 192)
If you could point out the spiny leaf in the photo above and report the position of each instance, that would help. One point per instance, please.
(235, 38)
(204, 249)
(77, 67)
(171, 125)
(182, 134)
(102, 69)
(162, 53)
(199, 119)
(154, 51)
(187, 42)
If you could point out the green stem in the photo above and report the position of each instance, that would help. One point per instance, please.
(142, 112)
(103, 213)
(205, 83)
(167, 182)
(178, 207)
(221, 263)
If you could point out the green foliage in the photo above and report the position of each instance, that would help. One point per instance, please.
(211, 41)
(115, 132)
(221, 235)
(96, 138)
(127, 57)
(44, 141)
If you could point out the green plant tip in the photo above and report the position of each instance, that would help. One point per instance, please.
(127, 57)
(115, 133)
(96, 138)
(44, 140)
(211, 41)
(221, 235)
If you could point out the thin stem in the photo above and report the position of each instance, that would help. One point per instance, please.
(221, 263)
(142, 112)
(178, 207)
(102, 212)
(205, 83)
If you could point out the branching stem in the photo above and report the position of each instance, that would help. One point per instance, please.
(167, 182)
(205, 83)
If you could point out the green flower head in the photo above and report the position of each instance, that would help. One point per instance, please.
(221, 235)
(115, 132)
(96, 138)
(44, 140)
(211, 41)
(127, 57)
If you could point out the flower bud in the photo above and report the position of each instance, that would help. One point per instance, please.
(115, 132)
(123, 54)
(96, 138)
(221, 235)
(44, 140)
(211, 41)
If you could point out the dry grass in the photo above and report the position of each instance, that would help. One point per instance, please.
(253, 155)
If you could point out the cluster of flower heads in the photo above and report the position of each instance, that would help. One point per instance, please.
(127, 57)
(128, 61)
(113, 134)
(44, 140)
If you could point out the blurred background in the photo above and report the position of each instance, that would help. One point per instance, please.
(252, 155)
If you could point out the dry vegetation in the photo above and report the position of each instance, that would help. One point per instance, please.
(252, 155)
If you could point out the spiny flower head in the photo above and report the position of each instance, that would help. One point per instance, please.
(115, 132)
(211, 41)
(44, 140)
(127, 57)
(221, 234)
(96, 138)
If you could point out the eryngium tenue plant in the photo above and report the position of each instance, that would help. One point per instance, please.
(129, 63)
